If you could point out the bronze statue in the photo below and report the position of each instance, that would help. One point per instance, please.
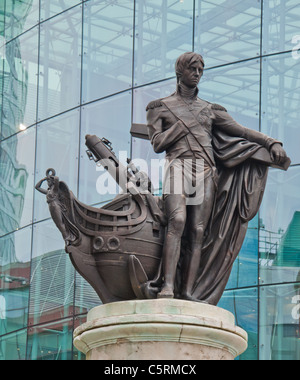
(184, 243)
(57, 206)
(188, 128)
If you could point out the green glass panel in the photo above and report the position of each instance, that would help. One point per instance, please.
(20, 83)
(279, 240)
(13, 346)
(243, 304)
(20, 16)
(15, 252)
(279, 322)
(78, 321)
(52, 341)
(85, 296)
(52, 278)
(16, 181)
(2, 22)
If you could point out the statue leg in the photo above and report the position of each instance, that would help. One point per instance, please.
(197, 220)
(175, 207)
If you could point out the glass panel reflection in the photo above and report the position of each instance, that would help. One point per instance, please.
(57, 148)
(237, 88)
(16, 181)
(60, 63)
(280, 227)
(243, 303)
(52, 341)
(85, 296)
(15, 253)
(2, 55)
(227, 31)
(20, 16)
(109, 118)
(53, 7)
(78, 321)
(20, 83)
(13, 346)
(281, 23)
(280, 102)
(52, 276)
(2, 22)
(107, 48)
(280, 322)
(164, 30)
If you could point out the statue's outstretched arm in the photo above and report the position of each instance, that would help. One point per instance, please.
(39, 184)
(225, 122)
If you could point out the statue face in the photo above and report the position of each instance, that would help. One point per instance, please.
(192, 74)
(50, 181)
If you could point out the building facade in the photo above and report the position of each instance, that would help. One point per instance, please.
(73, 68)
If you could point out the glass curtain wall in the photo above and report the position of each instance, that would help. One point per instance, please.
(70, 68)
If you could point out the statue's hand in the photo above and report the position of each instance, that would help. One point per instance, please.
(278, 154)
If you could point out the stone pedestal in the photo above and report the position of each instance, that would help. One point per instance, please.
(162, 329)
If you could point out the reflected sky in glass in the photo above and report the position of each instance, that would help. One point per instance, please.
(107, 48)
(57, 148)
(227, 31)
(60, 63)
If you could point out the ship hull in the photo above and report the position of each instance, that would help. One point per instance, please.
(117, 257)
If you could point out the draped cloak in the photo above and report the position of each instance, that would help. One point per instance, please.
(241, 185)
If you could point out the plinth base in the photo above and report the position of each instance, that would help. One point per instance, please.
(162, 329)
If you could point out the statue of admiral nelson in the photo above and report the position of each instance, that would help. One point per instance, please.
(226, 165)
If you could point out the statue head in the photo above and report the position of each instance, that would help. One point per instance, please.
(185, 63)
(50, 181)
(50, 175)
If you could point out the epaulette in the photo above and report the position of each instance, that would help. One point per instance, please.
(217, 107)
(154, 104)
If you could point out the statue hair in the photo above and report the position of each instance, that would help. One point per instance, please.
(185, 60)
